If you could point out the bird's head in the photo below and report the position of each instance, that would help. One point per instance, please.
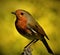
(21, 13)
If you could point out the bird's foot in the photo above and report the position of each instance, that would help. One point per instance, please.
(27, 51)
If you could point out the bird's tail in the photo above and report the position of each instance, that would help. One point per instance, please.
(47, 46)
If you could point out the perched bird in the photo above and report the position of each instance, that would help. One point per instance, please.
(27, 26)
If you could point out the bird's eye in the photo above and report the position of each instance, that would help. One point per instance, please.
(21, 13)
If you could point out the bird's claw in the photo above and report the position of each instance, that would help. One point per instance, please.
(27, 51)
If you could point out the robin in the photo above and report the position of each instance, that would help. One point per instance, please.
(27, 26)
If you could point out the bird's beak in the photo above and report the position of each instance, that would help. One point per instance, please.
(13, 13)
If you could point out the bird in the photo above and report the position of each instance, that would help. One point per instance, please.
(27, 26)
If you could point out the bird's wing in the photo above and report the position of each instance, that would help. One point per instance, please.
(41, 31)
(37, 28)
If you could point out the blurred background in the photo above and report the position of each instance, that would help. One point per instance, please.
(46, 13)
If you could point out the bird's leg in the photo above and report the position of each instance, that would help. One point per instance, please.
(27, 50)
(32, 42)
(29, 43)
(36, 40)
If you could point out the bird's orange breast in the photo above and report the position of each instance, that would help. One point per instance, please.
(22, 23)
